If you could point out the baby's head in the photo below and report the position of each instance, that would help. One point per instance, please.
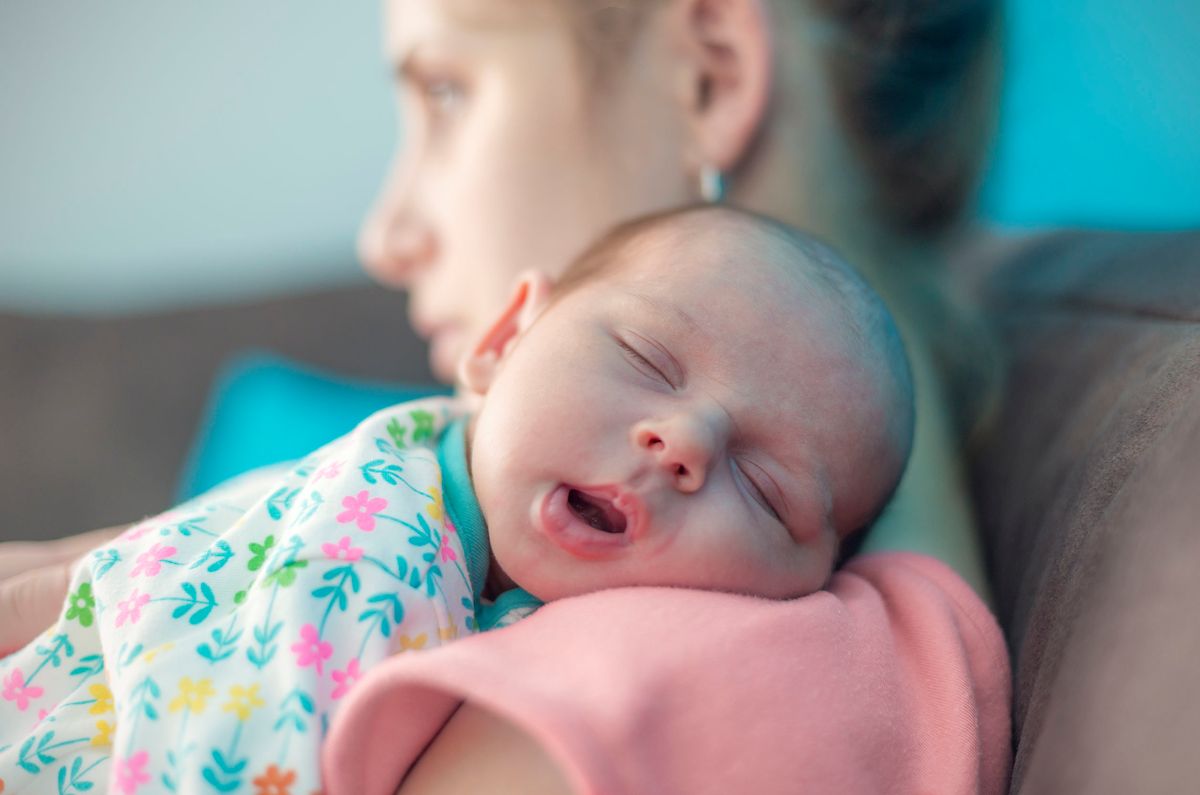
(707, 399)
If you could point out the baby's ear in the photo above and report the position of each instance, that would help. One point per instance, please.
(478, 367)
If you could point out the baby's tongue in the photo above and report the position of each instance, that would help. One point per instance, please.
(596, 511)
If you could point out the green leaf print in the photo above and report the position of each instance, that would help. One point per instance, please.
(373, 471)
(226, 644)
(69, 784)
(282, 497)
(422, 425)
(259, 553)
(202, 603)
(91, 665)
(61, 645)
(219, 554)
(30, 757)
(285, 575)
(105, 559)
(397, 431)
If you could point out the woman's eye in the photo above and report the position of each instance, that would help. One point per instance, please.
(642, 363)
(443, 96)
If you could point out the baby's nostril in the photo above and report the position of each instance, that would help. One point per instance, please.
(681, 471)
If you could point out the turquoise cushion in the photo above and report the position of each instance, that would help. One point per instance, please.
(264, 409)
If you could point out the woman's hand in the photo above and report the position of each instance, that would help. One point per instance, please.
(501, 759)
(34, 576)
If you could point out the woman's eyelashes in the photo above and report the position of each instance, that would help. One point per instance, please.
(444, 96)
(439, 95)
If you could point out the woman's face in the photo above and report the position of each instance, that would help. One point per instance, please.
(511, 156)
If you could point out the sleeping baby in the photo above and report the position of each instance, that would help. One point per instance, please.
(706, 399)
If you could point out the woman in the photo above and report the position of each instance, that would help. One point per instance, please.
(532, 126)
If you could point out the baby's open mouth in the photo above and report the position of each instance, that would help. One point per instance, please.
(596, 511)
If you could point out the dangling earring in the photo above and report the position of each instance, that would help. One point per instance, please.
(712, 184)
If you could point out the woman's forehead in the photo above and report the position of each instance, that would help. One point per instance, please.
(473, 16)
(455, 26)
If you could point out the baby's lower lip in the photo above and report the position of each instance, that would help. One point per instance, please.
(562, 526)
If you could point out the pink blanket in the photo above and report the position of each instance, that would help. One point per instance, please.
(893, 679)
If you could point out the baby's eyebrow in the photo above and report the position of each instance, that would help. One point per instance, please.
(678, 313)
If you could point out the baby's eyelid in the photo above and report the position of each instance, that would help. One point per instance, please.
(668, 366)
(642, 361)
(759, 491)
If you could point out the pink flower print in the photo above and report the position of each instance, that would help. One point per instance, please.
(311, 649)
(131, 609)
(329, 471)
(346, 679)
(150, 561)
(342, 551)
(445, 550)
(361, 508)
(130, 772)
(16, 690)
(137, 531)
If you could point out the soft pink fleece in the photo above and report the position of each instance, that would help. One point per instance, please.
(894, 679)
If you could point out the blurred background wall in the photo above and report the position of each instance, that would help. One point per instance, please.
(156, 154)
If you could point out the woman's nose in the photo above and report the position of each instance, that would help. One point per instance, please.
(394, 246)
(395, 242)
(682, 448)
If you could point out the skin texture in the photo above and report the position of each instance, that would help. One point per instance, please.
(504, 134)
(492, 149)
(707, 386)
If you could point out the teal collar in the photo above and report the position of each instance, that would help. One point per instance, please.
(461, 505)
(463, 510)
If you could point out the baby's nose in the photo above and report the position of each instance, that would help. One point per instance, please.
(682, 449)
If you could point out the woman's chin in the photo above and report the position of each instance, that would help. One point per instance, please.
(445, 349)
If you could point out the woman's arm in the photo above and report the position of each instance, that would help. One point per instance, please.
(503, 759)
(33, 582)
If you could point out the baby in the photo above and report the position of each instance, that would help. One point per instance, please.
(706, 399)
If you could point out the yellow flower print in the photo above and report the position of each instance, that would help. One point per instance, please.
(408, 643)
(149, 656)
(437, 508)
(104, 733)
(448, 633)
(243, 701)
(192, 695)
(104, 699)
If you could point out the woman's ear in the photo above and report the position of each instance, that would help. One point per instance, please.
(729, 64)
(478, 367)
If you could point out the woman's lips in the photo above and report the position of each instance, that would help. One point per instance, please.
(564, 518)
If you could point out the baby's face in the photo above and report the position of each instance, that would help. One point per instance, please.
(671, 424)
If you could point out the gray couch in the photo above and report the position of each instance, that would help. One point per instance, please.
(1088, 487)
